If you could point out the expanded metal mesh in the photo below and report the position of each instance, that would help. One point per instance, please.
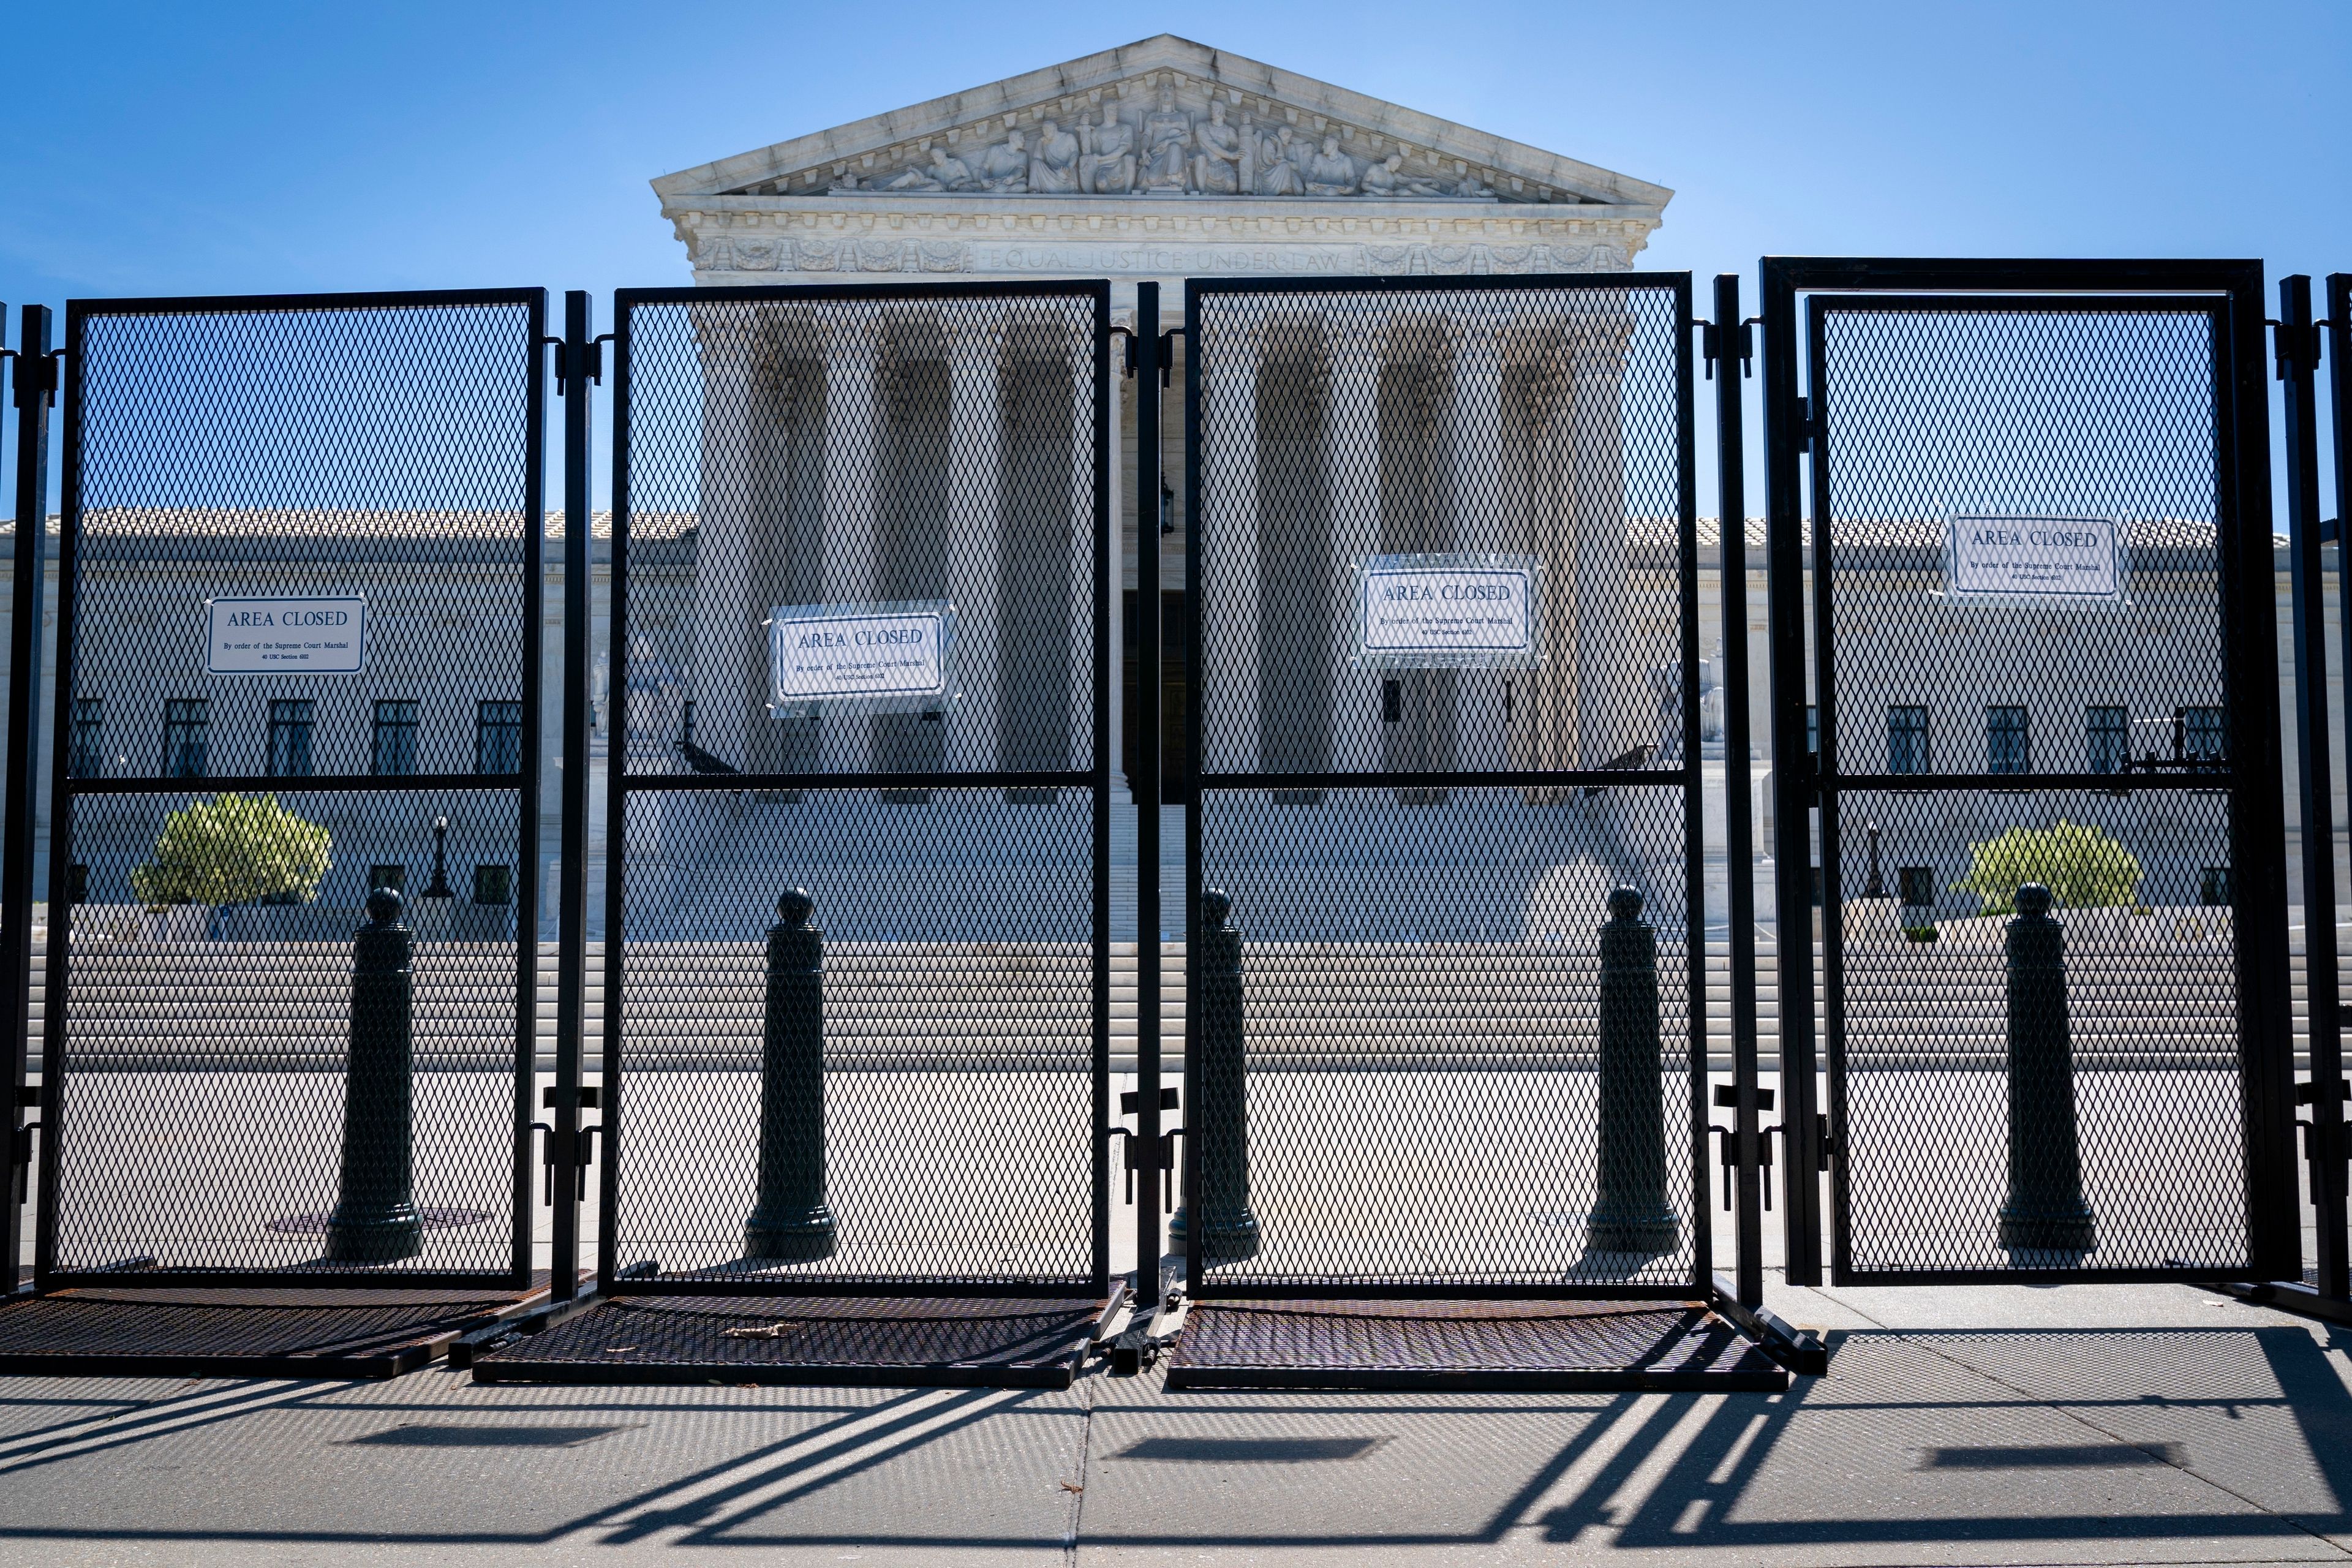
(801, 457)
(176, 1328)
(1936, 412)
(885, 1340)
(362, 470)
(1419, 856)
(1330, 1345)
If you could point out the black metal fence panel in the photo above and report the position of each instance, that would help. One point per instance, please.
(1445, 994)
(857, 928)
(299, 634)
(2041, 770)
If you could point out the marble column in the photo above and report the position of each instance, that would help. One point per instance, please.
(1114, 571)
(851, 431)
(1473, 438)
(1226, 683)
(1080, 575)
(1543, 719)
(1606, 713)
(975, 537)
(729, 672)
(1351, 445)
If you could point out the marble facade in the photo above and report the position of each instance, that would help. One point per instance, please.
(1161, 160)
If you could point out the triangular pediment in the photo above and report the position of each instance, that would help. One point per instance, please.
(1281, 136)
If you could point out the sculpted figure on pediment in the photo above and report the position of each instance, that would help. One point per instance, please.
(1054, 169)
(1332, 173)
(946, 173)
(1106, 155)
(1167, 130)
(1386, 177)
(1216, 167)
(1276, 172)
(1005, 166)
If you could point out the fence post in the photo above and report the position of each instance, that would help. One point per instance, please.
(792, 1221)
(1630, 1212)
(1218, 1124)
(375, 1219)
(2045, 1211)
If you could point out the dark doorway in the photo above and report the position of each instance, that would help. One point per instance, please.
(1175, 688)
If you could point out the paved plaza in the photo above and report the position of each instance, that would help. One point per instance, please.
(1998, 1425)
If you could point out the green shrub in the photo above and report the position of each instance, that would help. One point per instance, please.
(2085, 867)
(233, 849)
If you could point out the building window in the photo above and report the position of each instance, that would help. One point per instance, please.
(1915, 885)
(2106, 739)
(188, 736)
(289, 740)
(498, 738)
(1812, 729)
(493, 885)
(2213, 886)
(2198, 735)
(1906, 740)
(88, 758)
(395, 738)
(2008, 745)
(78, 882)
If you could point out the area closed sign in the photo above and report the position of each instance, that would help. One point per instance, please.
(874, 656)
(286, 636)
(1445, 612)
(2077, 559)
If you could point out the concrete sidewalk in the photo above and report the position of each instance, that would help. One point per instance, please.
(2090, 1425)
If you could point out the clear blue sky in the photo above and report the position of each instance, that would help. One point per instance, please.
(225, 148)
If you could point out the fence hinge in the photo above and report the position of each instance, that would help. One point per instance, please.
(594, 355)
(36, 372)
(2297, 345)
(20, 1160)
(2308, 1093)
(1809, 426)
(1711, 349)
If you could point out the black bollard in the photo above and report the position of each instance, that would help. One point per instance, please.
(1219, 1125)
(2046, 1211)
(1631, 1213)
(375, 1219)
(792, 1222)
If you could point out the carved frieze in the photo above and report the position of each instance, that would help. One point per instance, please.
(1152, 141)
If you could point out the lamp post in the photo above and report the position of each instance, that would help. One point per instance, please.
(439, 888)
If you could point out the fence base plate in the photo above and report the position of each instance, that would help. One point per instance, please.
(195, 1331)
(1468, 1344)
(853, 1340)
